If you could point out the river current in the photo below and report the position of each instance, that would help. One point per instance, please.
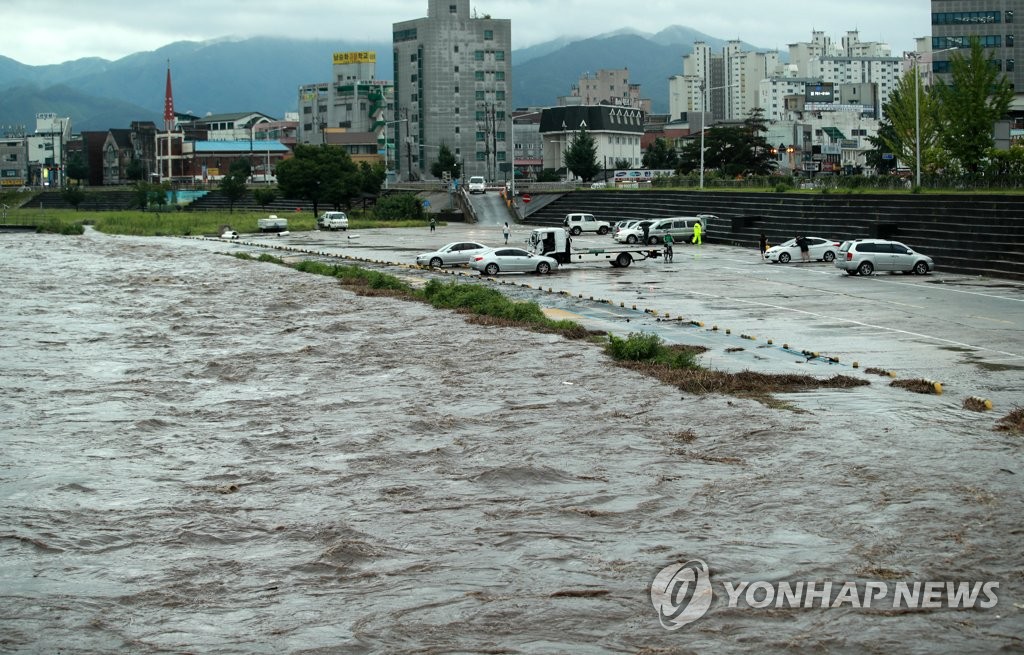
(206, 455)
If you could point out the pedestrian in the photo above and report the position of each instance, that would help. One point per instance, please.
(696, 233)
(505, 230)
(668, 246)
(805, 252)
(763, 244)
(646, 227)
(433, 223)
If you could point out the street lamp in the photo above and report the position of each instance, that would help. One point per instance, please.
(703, 121)
(917, 109)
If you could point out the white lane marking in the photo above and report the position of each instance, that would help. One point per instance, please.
(859, 323)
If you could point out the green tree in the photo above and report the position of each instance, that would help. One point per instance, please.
(661, 155)
(264, 197)
(73, 195)
(581, 156)
(318, 174)
(548, 175)
(241, 168)
(77, 168)
(908, 104)
(233, 187)
(372, 177)
(978, 96)
(134, 170)
(158, 194)
(622, 164)
(141, 194)
(399, 206)
(880, 143)
(445, 162)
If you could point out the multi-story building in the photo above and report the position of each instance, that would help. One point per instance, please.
(13, 162)
(46, 149)
(617, 133)
(954, 22)
(453, 87)
(726, 86)
(606, 87)
(529, 145)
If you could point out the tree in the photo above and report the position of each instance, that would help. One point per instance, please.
(233, 187)
(134, 170)
(548, 175)
(318, 174)
(622, 164)
(874, 157)
(581, 156)
(241, 168)
(445, 162)
(661, 155)
(141, 192)
(733, 149)
(73, 195)
(77, 168)
(264, 197)
(399, 206)
(978, 96)
(372, 177)
(909, 104)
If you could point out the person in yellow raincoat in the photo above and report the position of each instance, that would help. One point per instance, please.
(696, 233)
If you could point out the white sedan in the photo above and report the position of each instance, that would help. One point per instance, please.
(453, 254)
(512, 260)
(819, 249)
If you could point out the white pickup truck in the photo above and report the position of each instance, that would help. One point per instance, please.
(578, 223)
(272, 224)
(333, 221)
(555, 242)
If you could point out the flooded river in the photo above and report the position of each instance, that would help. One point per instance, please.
(207, 455)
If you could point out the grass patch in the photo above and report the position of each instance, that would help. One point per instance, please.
(1012, 422)
(646, 354)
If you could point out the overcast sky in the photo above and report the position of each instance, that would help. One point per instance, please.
(50, 32)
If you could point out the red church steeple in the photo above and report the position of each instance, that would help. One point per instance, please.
(168, 102)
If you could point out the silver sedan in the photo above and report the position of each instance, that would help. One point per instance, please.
(512, 260)
(453, 254)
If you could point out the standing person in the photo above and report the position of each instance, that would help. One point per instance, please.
(763, 244)
(696, 233)
(668, 246)
(505, 230)
(433, 223)
(646, 227)
(805, 252)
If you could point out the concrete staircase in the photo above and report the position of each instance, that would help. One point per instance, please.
(981, 234)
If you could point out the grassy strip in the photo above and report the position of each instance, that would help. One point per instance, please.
(676, 365)
(176, 223)
(642, 352)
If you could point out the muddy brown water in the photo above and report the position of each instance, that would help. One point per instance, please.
(202, 454)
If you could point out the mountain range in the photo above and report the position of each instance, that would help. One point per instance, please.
(263, 74)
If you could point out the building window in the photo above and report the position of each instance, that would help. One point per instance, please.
(1009, 16)
(456, 69)
(456, 48)
(499, 76)
(1009, 40)
(499, 55)
(488, 35)
(480, 136)
(456, 89)
(307, 110)
(453, 9)
(500, 136)
(456, 129)
(479, 95)
(1009, 65)
(415, 97)
(500, 115)
(480, 116)
(478, 76)
(478, 55)
(499, 95)
(500, 156)
(412, 78)
(481, 156)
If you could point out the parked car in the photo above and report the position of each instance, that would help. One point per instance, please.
(333, 221)
(453, 254)
(819, 249)
(229, 234)
(622, 225)
(511, 260)
(576, 224)
(477, 184)
(680, 227)
(865, 256)
(634, 233)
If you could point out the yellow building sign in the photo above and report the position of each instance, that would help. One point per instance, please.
(355, 58)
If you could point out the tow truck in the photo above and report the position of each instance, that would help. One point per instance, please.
(555, 242)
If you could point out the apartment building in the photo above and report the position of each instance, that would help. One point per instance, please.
(954, 22)
(453, 87)
(606, 87)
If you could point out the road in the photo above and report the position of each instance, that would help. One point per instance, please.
(963, 331)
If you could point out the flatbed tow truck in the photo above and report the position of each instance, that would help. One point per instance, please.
(555, 242)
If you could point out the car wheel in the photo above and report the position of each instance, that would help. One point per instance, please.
(631, 238)
(491, 269)
(602, 230)
(575, 231)
(653, 240)
(920, 268)
(829, 256)
(624, 259)
(436, 262)
(866, 268)
(543, 268)
(851, 273)
(784, 258)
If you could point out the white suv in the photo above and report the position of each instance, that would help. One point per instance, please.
(477, 184)
(579, 223)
